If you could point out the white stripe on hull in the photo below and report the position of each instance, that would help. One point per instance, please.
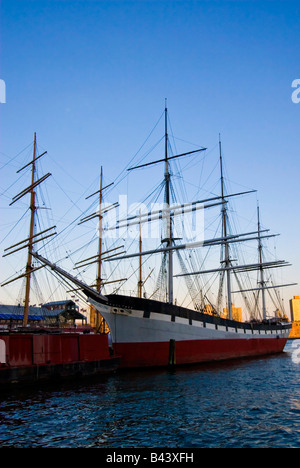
(129, 326)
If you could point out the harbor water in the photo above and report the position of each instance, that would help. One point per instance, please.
(252, 403)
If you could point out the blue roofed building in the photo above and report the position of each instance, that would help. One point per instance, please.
(60, 313)
(16, 312)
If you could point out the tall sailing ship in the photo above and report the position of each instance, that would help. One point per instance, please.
(147, 331)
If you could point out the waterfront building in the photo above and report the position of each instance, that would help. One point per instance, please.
(237, 313)
(60, 313)
(295, 309)
(295, 316)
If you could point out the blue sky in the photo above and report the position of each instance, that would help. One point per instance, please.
(91, 77)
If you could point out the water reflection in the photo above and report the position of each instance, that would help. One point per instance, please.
(245, 403)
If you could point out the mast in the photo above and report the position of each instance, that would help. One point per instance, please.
(225, 235)
(169, 223)
(95, 316)
(98, 279)
(29, 258)
(99, 263)
(140, 282)
(169, 237)
(262, 281)
(33, 238)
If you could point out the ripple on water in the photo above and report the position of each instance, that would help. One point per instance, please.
(252, 403)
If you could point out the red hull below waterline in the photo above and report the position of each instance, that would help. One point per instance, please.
(138, 355)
